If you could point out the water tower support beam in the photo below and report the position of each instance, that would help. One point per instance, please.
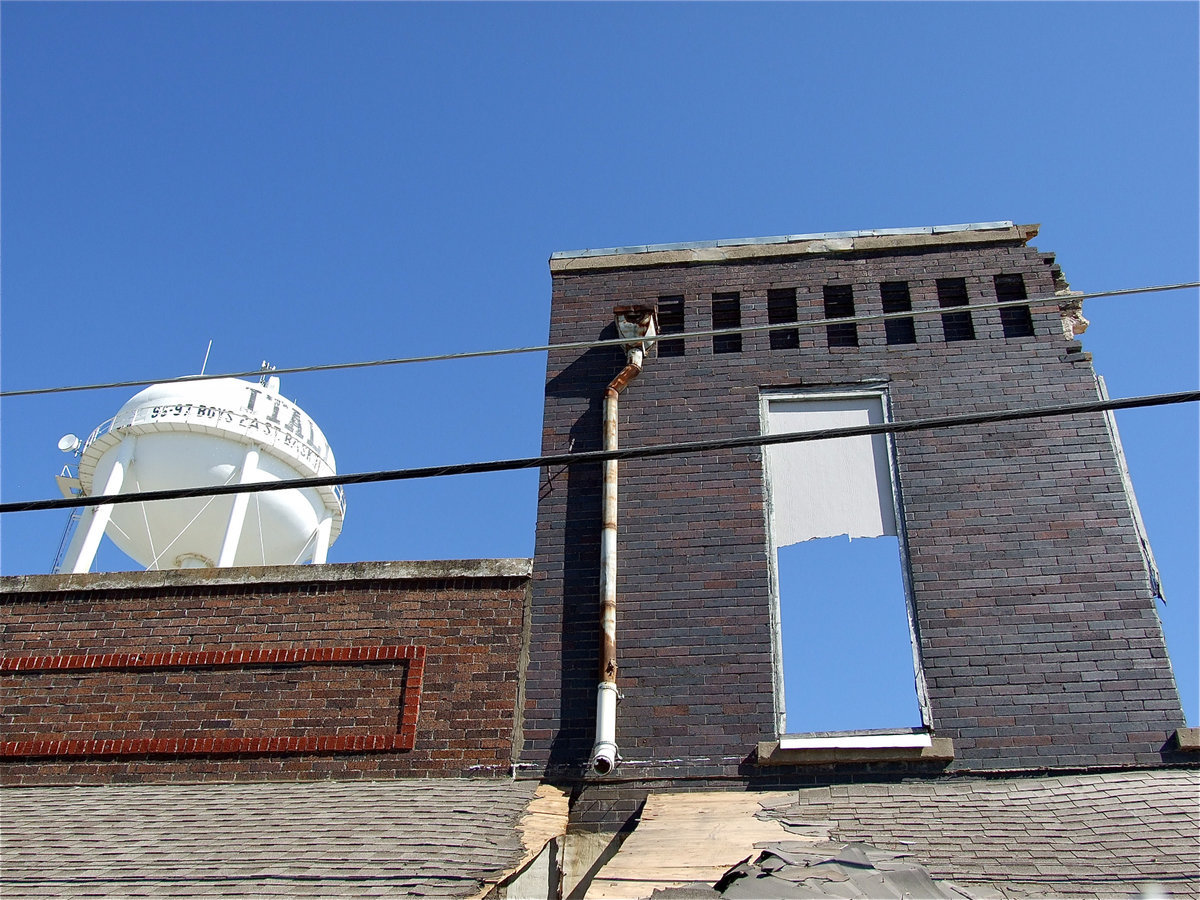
(85, 550)
(237, 515)
(324, 529)
(81, 529)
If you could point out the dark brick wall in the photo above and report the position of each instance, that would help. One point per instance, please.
(458, 639)
(1039, 638)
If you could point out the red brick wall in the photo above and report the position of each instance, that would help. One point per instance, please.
(366, 670)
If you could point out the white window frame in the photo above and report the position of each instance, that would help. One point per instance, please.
(903, 736)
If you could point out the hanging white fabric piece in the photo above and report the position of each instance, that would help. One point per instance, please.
(832, 487)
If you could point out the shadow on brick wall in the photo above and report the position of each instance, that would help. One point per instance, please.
(579, 591)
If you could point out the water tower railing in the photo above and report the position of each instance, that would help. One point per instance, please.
(102, 429)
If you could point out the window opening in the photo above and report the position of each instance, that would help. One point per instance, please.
(839, 303)
(896, 299)
(781, 308)
(1016, 320)
(727, 313)
(670, 321)
(847, 656)
(955, 326)
(845, 636)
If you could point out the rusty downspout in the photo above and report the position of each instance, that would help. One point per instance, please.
(636, 323)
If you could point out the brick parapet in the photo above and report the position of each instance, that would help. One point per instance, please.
(155, 680)
(1040, 642)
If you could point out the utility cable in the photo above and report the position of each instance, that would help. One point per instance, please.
(595, 456)
(610, 342)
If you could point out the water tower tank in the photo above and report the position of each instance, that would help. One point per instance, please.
(204, 433)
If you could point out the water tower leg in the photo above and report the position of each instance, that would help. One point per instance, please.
(85, 552)
(321, 550)
(237, 515)
(71, 557)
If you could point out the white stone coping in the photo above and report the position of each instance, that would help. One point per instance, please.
(907, 745)
(787, 245)
(854, 741)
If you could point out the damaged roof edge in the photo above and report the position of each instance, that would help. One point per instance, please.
(789, 245)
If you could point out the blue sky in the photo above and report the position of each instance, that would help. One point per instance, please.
(307, 183)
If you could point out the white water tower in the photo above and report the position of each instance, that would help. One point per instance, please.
(192, 433)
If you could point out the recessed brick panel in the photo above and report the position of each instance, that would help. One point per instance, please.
(128, 704)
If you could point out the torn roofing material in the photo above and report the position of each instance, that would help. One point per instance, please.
(1112, 834)
(452, 837)
(795, 870)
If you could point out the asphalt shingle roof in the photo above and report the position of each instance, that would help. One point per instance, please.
(1112, 834)
(441, 837)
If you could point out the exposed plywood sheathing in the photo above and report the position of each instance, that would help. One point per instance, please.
(683, 838)
(544, 820)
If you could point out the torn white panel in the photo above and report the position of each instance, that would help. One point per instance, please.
(830, 487)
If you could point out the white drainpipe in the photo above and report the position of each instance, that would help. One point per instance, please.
(641, 325)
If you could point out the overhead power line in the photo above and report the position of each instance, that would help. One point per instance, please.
(594, 456)
(611, 342)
